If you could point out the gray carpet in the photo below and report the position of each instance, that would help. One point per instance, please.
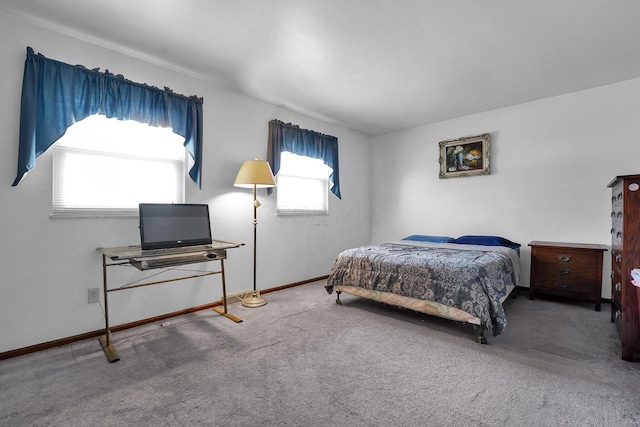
(303, 360)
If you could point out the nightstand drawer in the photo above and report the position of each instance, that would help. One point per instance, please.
(550, 280)
(567, 258)
(564, 279)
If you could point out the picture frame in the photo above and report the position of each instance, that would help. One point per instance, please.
(465, 157)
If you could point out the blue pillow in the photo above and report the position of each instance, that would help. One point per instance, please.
(434, 239)
(487, 241)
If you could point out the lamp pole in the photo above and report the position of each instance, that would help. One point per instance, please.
(255, 239)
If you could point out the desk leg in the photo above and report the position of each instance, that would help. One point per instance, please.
(223, 310)
(105, 341)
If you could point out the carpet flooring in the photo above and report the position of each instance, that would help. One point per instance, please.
(303, 360)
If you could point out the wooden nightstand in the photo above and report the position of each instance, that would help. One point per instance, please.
(571, 270)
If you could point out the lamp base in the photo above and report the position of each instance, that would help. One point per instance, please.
(255, 300)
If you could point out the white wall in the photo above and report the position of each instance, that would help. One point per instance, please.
(551, 162)
(48, 264)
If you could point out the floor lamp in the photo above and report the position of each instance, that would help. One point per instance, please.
(255, 174)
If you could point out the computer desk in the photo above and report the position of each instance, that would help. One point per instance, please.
(167, 259)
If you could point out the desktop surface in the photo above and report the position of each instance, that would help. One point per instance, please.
(135, 251)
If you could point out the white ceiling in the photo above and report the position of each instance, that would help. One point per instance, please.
(371, 65)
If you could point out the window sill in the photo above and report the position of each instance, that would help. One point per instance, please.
(302, 213)
(95, 213)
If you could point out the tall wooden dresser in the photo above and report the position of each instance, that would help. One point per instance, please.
(625, 256)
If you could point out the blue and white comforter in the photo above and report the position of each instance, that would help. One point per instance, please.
(469, 277)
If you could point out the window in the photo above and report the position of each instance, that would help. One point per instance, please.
(306, 167)
(302, 185)
(106, 167)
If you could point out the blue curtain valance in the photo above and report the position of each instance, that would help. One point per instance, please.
(55, 95)
(289, 137)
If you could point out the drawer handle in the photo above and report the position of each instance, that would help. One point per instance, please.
(564, 258)
(565, 271)
(618, 286)
(619, 195)
(617, 314)
(564, 285)
(619, 234)
(619, 215)
(613, 230)
(618, 257)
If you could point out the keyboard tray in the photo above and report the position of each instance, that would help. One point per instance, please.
(149, 263)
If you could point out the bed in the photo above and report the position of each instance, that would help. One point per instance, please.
(465, 279)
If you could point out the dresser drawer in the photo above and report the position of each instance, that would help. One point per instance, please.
(616, 296)
(616, 255)
(616, 288)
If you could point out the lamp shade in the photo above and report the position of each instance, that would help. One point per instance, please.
(255, 172)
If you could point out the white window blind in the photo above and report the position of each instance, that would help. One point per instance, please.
(107, 167)
(302, 186)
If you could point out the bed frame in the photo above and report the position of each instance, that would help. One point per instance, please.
(428, 307)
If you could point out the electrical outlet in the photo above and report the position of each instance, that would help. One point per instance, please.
(93, 295)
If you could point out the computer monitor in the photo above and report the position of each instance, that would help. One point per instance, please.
(166, 225)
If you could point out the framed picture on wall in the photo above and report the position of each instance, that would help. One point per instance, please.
(465, 157)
